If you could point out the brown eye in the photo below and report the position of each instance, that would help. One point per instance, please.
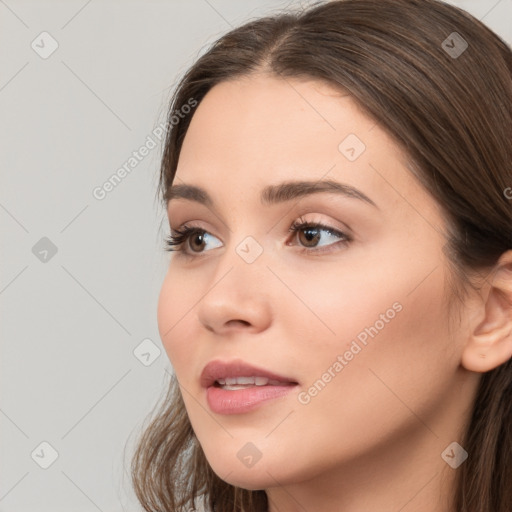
(197, 240)
(315, 237)
(311, 236)
(190, 240)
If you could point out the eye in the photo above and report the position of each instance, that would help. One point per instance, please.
(312, 235)
(192, 241)
(195, 238)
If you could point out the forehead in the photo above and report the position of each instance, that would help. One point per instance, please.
(265, 118)
(258, 130)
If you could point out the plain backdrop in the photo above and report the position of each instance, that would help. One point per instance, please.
(82, 86)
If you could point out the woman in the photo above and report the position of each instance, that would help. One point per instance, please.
(338, 306)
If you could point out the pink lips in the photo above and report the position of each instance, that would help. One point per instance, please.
(237, 401)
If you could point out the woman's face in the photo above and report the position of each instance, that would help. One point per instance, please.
(361, 326)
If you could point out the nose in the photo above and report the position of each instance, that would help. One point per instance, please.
(237, 299)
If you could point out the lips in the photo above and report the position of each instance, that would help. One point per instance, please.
(237, 387)
(240, 373)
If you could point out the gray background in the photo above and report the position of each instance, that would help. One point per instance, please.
(72, 320)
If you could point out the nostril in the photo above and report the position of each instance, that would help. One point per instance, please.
(235, 322)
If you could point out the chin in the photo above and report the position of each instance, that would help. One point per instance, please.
(251, 479)
(230, 466)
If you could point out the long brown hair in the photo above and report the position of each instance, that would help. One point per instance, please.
(450, 108)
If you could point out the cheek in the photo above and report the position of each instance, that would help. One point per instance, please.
(388, 324)
(390, 354)
(175, 310)
(394, 287)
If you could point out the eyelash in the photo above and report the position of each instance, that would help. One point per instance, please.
(174, 243)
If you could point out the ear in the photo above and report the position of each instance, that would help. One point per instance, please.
(490, 342)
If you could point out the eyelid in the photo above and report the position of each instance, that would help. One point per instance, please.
(327, 224)
(334, 225)
(190, 224)
(183, 234)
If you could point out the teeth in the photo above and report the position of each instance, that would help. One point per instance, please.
(247, 381)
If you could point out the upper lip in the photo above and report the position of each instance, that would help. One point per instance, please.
(220, 370)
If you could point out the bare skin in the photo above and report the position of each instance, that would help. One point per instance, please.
(372, 437)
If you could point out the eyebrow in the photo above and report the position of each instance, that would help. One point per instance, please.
(274, 194)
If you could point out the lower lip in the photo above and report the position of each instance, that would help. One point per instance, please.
(238, 401)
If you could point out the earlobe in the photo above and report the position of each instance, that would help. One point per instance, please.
(490, 343)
